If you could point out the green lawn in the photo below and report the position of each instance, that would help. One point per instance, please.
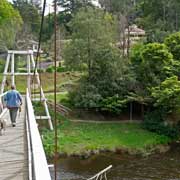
(65, 80)
(60, 96)
(77, 138)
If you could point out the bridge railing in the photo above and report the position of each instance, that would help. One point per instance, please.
(101, 175)
(2, 105)
(38, 166)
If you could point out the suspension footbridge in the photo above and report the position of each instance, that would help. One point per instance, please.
(22, 156)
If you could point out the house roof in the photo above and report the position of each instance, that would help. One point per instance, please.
(134, 30)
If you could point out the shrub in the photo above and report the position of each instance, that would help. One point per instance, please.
(61, 69)
(22, 70)
(113, 104)
(40, 70)
(155, 122)
(50, 69)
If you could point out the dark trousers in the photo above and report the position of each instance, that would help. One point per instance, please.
(13, 114)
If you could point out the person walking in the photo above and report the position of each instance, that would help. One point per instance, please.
(13, 101)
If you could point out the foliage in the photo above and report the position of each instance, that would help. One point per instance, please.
(166, 95)
(29, 14)
(61, 69)
(155, 122)
(10, 23)
(72, 6)
(120, 6)
(69, 9)
(85, 96)
(158, 17)
(87, 37)
(2, 63)
(156, 62)
(50, 69)
(113, 104)
(173, 44)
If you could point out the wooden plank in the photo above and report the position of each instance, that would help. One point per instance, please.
(13, 150)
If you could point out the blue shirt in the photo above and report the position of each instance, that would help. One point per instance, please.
(13, 99)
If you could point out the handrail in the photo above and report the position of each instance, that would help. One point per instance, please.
(1, 95)
(2, 109)
(39, 162)
(100, 174)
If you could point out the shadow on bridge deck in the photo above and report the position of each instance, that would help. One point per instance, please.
(13, 149)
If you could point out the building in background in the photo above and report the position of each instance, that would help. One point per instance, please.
(131, 36)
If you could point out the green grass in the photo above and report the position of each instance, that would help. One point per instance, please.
(77, 138)
(65, 80)
(60, 96)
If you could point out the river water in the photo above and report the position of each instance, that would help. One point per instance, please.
(125, 167)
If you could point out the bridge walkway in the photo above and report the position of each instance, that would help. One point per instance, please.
(13, 149)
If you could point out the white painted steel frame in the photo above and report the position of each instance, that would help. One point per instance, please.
(42, 94)
(29, 74)
(4, 74)
(3, 110)
(100, 174)
(39, 162)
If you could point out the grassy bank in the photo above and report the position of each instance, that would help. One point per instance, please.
(76, 138)
(65, 80)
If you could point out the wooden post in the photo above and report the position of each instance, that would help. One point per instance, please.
(131, 111)
(12, 70)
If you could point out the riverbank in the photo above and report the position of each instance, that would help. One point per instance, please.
(85, 139)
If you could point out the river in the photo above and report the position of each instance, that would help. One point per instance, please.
(125, 167)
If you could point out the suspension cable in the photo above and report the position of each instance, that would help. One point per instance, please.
(55, 88)
(40, 36)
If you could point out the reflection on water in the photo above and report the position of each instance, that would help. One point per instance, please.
(156, 167)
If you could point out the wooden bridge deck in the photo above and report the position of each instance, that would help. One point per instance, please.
(13, 150)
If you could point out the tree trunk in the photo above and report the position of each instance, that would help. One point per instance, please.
(142, 111)
(131, 111)
(128, 40)
(176, 21)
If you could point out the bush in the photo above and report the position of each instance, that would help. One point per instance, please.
(155, 122)
(113, 104)
(50, 69)
(40, 70)
(2, 63)
(22, 70)
(61, 69)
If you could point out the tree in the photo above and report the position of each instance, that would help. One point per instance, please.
(88, 25)
(30, 16)
(72, 6)
(126, 13)
(173, 44)
(106, 74)
(166, 95)
(69, 9)
(158, 18)
(156, 64)
(10, 23)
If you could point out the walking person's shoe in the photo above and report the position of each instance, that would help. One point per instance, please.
(13, 124)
